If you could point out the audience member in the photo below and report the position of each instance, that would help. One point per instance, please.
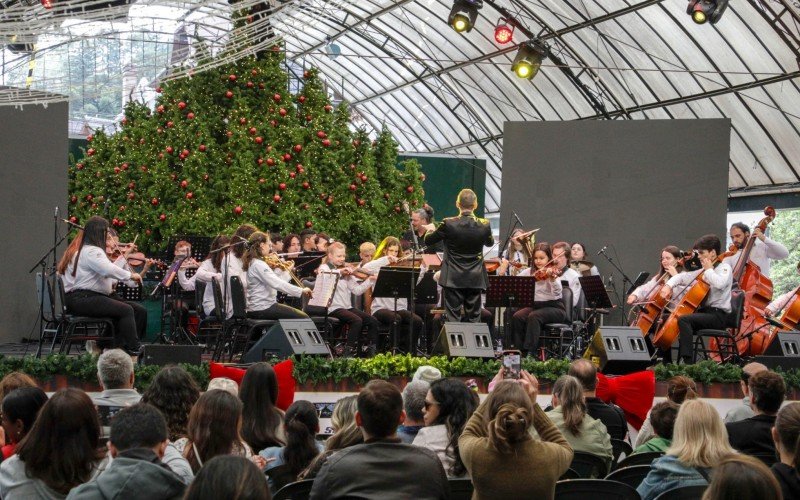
(345, 434)
(115, 372)
(173, 392)
(302, 426)
(262, 421)
(413, 400)
(20, 408)
(214, 424)
(15, 380)
(61, 451)
(739, 476)
(786, 435)
(662, 418)
(753, 436)
(611, 415)
(582, 432)
(679, 389)
(230, 478)
(427, 373)
(699, 442)
(447, 408)
(744, 410)
(383, 467)
(497, 444)
(224, 384)
(137, 444)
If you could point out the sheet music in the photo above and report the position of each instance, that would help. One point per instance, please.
(324, 288)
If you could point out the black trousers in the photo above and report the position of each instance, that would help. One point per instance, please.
(278, 311)
(469, 298)
(404, 318)
(130, 318)
(527, 323)
(705, 318)
(357, 320)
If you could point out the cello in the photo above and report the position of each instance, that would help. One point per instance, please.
(754, 335)
(654, 304)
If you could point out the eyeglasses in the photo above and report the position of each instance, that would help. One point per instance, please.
(428, 404)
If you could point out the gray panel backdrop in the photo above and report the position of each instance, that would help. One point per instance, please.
(33, 181)
(634, 186)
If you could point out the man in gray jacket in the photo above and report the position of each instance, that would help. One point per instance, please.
(137, 443)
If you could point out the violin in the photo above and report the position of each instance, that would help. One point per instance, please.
(547, 272)
(275, 262)
(354, 269)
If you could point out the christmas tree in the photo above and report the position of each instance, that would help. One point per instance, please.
(231, 145)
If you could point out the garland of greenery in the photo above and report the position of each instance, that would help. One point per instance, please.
(318, 370)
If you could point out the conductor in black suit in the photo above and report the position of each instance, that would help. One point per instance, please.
(463, 275)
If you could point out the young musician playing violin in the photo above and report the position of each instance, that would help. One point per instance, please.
(514, 257)
(232, 263)
(89, 279)
(126, 256)
(717, 304)
(264, 283)
(183, 249)
(527, 323)
(211, 268)
(341, 306)
(383, 308)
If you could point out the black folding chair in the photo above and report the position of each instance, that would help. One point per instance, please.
(280, 476)
(243, 326)
(299, 490)
(589, 466)
(70, 323)
(620, 448)
(639, 459)
(684, 493)
(569, 474)
(632, 476)
(596, 489)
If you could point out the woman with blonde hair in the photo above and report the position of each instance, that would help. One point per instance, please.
(582, 432)
(699, 443)
(345, 434)
(497, 443)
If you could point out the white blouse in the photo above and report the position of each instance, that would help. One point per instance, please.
(263, 285)
(95, 272)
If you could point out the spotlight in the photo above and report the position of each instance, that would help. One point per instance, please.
(706, 10)
(464, 14)
(529, 58)
(503, 32)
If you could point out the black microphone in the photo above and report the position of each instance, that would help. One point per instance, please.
(602, 250)
(56, 214)
(518, 219)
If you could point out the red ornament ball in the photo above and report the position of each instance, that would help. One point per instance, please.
(74, 199)
(131, 185)
(189, 195)
(254, 72)
(259, 140)
(79, 166)
(160, 108)
(262, 180)
(386, 195)
(148, 232)
(308, 118)
(328, 108)
(299, 167)
(229, 94)
(363, 178)
(282, 112)
(131, 195)
(202, 148)
(154, 202)
(261, 86)
(276, 97)
(253, 130)
(302, 98)
(237, 210)
(306, 185)
(298, 148)
(181, 105)
(232, 78)
(229, 133)
(292, 175)
(397, 209)
(356, 143)
(205, 177)
(250, 85)
(309, 224)
(282, 186)
(170, 124)
(90, 152)
(361, 203)
(242, 121)
(273, 123)
(144, 168)
(287, 157)
(276, 198)
(125, 166)
(321, 134)
(160, 130)
(170, 150)
(159, 89)
(329, 201)
(162, 217)
(116, 170)
(307, 74)
(353, 187)
(173, 176)
(73, 219)
(184, 184)
(185, 153)
(124, 121)
(271, 162)
(141, 141)
(190, 116)
(160, 156)
(326, 142)
(410, 189)
(260, 161)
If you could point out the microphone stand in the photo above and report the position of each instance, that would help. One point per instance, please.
(625, 280)
(511, 229)
(411, 301)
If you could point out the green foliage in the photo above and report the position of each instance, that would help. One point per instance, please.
(231, 145)
(786, 229)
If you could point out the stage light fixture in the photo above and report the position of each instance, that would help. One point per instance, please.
(464, 14)
(528, 59)
(703, 11)
(503, 32)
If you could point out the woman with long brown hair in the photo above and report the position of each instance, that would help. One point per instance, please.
(262, 421)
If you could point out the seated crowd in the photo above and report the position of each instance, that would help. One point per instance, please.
(233, 442)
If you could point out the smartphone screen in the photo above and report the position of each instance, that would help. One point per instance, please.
(511, 364)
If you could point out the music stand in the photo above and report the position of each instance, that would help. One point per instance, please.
(639, 281)
(510, 292)
(306, 263)
(395, 283)
(201, 245)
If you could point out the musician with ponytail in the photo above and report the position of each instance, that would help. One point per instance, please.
(497, 443)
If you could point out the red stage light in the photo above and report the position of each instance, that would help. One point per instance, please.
(503, 32)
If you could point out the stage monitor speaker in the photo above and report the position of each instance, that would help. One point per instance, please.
(286, 338)
(467, 340)
(783, 362)
(784, 344)
(619, 350)
(163, 354)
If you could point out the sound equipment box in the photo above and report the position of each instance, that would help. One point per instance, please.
(619, 350)
(783, 351)
(468, 340)
(286, 338)
(165, 354)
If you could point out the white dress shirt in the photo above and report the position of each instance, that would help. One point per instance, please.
(544, 290)
(263, 285)
(378, 303)
(641, 293)
(761, 254)
(205, 273)
(95, 272)
(187, 284)
(572, 277)
(346, 286)
(719, 278)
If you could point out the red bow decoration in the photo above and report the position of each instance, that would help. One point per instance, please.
(633, 393)
(283, 372)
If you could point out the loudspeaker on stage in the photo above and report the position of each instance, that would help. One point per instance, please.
(468, 340)
(619, 350)
(286, 338)
(164, 354)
